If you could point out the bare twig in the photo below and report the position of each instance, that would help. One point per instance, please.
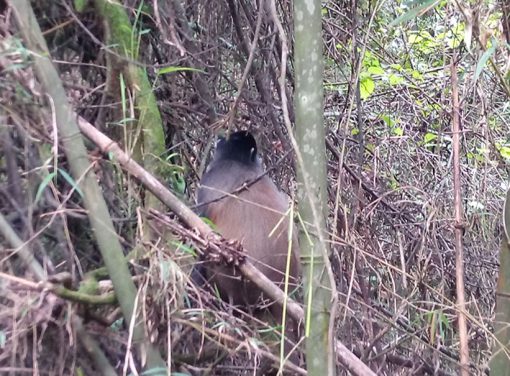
(247, 68)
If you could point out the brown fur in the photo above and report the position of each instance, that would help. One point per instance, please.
(253, 217)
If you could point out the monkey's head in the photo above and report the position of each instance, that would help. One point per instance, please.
(240, 147)
(235, 162)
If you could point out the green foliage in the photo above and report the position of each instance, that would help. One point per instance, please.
(367, 87)
(438, 322)
(48, 178)
(392, 124)
(371, 68)
(43, 185)
(178, 182)
(173, 69)
(14, 49)
(397, 131)
(388, 120)
(185, 248)
(80, 5)
(209, 222)
(422, 41)
(393, 182)
(137, 30)
(484, 58)
(176, 178)
(71, 181)
(375, 74)
(454, 36)
(504, 150)
(422, 7)
(481, 154)
(428, 139)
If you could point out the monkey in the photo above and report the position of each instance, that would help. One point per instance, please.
(255, 216)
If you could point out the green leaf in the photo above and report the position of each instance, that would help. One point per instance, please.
(443, 324)
(504, 151)
(417, 75)
(185, 248)
(483, 60)
(166, 70)
(397, 131)
(424, 7)
(178, 182)
(414, 39)
(123, 93)
(429, 137)
(367, 87)
(394, 79)
(375, 70)
(209, 222)
(43, 185)
(80, 5)
(388, 120)
(71, 181)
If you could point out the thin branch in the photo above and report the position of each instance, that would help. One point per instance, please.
(459, 225)
(247, 68)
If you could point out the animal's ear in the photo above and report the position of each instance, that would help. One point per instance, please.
(239, 146)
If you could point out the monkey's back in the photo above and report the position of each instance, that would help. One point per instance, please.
(254, 217)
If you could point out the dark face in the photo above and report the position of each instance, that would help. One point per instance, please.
(240, 147)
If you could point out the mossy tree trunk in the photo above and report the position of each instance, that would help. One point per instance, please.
(147, 134)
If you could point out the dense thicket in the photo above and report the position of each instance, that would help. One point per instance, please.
(388, 114)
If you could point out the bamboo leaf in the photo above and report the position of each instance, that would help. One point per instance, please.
(167, 70)
(71, 181)
(415, 12)
(483, 60)
(43, 186)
